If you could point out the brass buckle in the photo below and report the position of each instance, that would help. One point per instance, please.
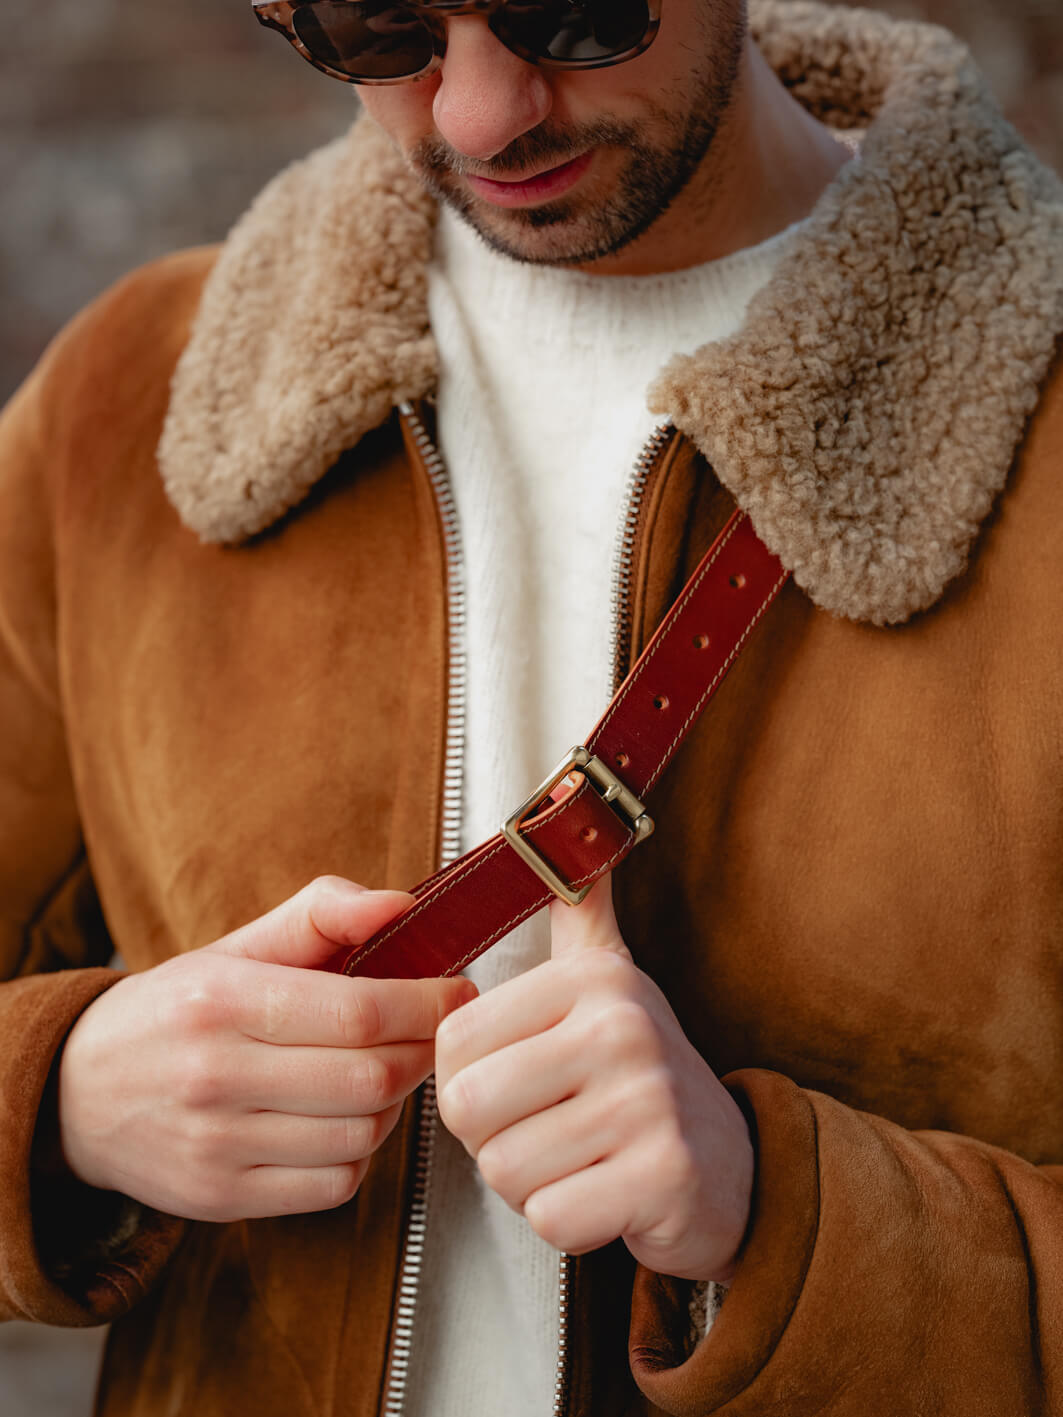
(620, 798)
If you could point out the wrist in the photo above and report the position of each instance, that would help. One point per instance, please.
(737, 1187)
(65, 1148)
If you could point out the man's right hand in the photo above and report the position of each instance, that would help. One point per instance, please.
(237, 1081)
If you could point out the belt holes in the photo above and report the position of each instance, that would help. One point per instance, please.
(737, 581)
(622, 760)
(660, 701)
(589, 833)
(701, 641)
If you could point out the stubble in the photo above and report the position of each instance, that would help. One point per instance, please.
(657, 158)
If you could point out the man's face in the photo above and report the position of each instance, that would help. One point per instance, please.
(559, 167)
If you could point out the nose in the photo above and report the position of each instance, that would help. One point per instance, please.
(486, 95)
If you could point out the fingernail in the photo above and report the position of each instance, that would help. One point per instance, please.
(385, 890)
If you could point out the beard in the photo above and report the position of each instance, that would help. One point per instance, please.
(657, 158)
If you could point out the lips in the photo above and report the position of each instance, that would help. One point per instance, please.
(543, 187)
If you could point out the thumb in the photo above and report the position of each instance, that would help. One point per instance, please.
(588, 926)
(307, 929)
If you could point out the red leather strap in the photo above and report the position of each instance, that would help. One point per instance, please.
(465, 908)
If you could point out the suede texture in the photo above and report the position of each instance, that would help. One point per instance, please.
(852, 899)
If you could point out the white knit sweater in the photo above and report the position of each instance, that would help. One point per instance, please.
(542, 417)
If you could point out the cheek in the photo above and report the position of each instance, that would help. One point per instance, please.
(404, 111)
(624, 93)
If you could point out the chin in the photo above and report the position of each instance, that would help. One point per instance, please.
(562, 233)
(548, 236)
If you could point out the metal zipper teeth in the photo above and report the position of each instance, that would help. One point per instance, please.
(449, 850)
(453, 755)
(624, 553)
(623, 564)
(564, 1282)
(412, 1257)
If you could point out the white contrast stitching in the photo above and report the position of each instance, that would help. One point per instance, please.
(674, 614)
(712, 686)
(473, 865)
(531, 909)
(557, 817)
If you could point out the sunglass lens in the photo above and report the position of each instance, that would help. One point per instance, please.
(574, 32)
(365, 41)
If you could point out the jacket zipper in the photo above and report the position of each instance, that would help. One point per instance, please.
(454, 748)
(398, 1373)
(397, 1378)
(622, 578)
(624, 553)
(398, 1370)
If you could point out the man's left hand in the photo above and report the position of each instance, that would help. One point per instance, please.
(589, 1111)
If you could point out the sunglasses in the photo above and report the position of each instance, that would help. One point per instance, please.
(379, 42)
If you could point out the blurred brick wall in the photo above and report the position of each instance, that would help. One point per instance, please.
(131, 127)
(1019, 44)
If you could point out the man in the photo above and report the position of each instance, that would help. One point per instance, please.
(252, 633)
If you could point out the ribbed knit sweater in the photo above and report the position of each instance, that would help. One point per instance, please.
(542, 416)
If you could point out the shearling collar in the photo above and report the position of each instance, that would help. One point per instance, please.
(867, 413)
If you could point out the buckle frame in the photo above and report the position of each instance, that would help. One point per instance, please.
(612, 791)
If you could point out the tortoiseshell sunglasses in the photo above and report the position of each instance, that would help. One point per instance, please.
(380, 42)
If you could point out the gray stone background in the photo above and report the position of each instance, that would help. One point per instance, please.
(131, 127)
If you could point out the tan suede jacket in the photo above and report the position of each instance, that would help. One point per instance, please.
(224, 670)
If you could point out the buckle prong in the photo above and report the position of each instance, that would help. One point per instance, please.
(611, 791)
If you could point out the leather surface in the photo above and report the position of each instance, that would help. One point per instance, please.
(464, 909)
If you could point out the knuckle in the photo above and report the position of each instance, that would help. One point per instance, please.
(651, 1095)
(321, 886)
(453, 993)
(360, 1018)
(361, 1136)
(609, 971)
(199, 1084)
(194, 1007)
(453, 1033)
(547, 1221)
(497, 1167)
(206, 1146)
(623, 1031)
(341, 1184)
(381, 1127)
(375, 1083)
(273, 1011)
(458, 1104)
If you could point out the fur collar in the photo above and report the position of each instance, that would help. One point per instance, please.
(866, 415)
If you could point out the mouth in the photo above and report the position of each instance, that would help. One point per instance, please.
(528, 191)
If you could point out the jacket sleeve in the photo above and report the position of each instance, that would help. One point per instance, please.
(68, 1254)
(884, 1272)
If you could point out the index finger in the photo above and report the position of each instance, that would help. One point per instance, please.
(303, 1007)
